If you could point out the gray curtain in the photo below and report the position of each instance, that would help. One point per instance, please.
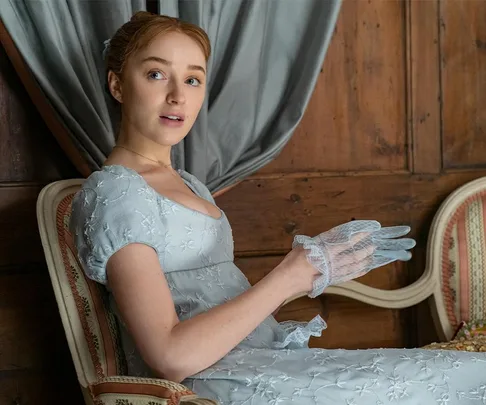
(266, 58)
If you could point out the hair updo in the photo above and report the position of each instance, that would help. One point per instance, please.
(139, 32)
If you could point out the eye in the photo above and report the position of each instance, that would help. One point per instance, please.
(192, 81)
(155, 75)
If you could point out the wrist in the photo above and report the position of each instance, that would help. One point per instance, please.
(286, 281)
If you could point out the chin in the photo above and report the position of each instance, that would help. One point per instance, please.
(169, 139)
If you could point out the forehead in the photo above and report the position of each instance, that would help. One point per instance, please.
(175, 47)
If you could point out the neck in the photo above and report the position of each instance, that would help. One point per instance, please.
(145, 147)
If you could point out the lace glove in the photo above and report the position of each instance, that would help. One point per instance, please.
(352, 249)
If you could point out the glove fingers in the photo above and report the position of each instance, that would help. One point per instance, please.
(374, 263)
(395, 244)
(363, 226)
(402, 255)
(350, 272)
(344, 232)
(380, 261)
(391, 232)
(352, 256)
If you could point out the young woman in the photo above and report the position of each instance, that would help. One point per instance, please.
(154, 236)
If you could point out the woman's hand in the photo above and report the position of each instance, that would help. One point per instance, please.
(343, 253)
(298, 272)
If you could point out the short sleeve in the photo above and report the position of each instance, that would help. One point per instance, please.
(112, 210)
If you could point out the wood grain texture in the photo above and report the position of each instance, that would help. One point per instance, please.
(19, 235)
(463, 67)
(35, 363)
(28, 152)
(376, 327)
(43, 106)
(348, 159)
(266, 213)
(27, 306)
(424, 86)
(356, 117)
(34, 387)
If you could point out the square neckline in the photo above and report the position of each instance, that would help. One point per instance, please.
(186, 177)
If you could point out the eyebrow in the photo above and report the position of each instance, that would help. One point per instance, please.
(168, 63)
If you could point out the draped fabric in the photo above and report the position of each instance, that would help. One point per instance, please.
(266, 58)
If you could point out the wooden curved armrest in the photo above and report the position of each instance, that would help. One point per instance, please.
(404, 297)
(116, 388)
(293, 298)
(400, 298)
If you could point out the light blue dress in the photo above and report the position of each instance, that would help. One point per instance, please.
(273, 365)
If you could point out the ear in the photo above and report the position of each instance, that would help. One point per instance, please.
(115, 86)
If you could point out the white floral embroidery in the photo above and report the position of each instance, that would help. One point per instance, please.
(274, 364)
(187, 244)
(189, 229)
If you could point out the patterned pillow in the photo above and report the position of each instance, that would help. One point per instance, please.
(470, 330)
(474, 344)
(463, 278)
(470, 337)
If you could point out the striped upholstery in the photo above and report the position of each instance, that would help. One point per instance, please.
(463, 278)
(109, 384)
(143, 391)
(98, 323)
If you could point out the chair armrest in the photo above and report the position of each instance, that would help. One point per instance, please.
(293, 298)
(123, 389)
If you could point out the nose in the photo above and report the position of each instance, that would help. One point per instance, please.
(176, 95)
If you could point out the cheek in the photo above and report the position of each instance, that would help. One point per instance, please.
(142, 92)
(196, 105)
(144, 102)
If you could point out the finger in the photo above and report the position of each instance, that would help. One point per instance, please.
(395, 244)
(402, 255)
(392, 232)
(358, 241)
(350, 272)
(344, 232)
(353, 255)
(371, 264)
(351, 227)
(363, 226)
(380, 261)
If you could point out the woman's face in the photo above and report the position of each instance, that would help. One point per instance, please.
(163, 88)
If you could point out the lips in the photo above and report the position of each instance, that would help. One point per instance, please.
(173, 117)
(172, 120)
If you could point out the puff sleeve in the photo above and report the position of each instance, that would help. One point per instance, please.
(111, 211)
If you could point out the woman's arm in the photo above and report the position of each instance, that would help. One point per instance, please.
(176, 350)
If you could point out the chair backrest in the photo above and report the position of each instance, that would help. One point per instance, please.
(91, 328)
(457, 255)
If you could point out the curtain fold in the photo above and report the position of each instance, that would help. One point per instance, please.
(61, 42)
(267, 55)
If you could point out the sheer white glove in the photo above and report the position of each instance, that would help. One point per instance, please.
(352, 249)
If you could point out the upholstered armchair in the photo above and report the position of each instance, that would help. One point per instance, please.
(91, 329)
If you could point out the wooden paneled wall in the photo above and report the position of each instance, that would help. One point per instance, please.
(395, 124)
(35, 364)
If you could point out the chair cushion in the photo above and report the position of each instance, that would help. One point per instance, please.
(99, 324)
(463, 280)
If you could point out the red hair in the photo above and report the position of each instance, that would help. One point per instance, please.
(141, 29)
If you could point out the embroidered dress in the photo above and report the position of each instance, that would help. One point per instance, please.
(273, 365)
